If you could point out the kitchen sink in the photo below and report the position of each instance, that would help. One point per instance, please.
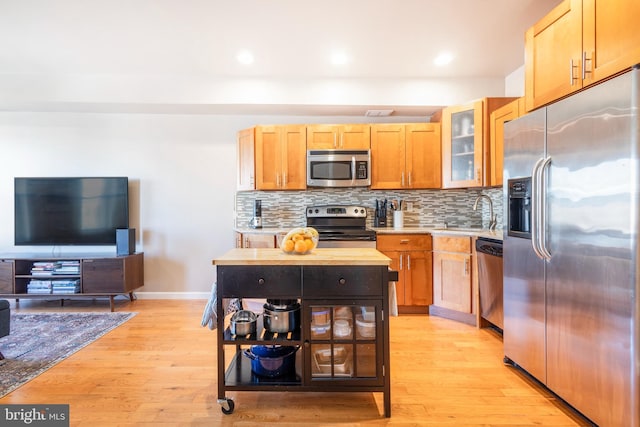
(460, 229)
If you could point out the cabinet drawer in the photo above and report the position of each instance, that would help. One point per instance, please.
(6, 276)
(403, 242)
(452, 244)
(259, 281)
(341, 281)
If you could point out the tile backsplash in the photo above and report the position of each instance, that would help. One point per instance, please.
(431, 208)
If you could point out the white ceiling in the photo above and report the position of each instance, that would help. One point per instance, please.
(290, 39)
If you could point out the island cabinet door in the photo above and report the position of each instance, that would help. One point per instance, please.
(259, 281)
(343, 342)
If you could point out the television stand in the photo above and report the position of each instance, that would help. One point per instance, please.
(70, 276)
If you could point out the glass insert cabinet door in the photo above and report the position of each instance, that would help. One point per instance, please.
(462, 137)
(344, 341)
(463, 166)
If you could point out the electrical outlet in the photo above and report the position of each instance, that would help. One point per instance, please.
(409, 206)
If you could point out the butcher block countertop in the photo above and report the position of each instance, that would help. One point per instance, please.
(318, 256)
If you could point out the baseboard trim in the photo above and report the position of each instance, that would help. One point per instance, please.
(173, 295)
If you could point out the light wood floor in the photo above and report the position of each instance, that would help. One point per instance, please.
(159, 369)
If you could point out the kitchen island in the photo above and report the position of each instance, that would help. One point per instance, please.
(340, 339)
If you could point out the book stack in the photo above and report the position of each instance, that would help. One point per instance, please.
(67, 267)
(43, 268)
(36, 286)
(65, 286)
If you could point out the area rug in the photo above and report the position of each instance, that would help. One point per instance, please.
(40, 340)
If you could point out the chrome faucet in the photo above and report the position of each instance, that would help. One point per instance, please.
(493, 221)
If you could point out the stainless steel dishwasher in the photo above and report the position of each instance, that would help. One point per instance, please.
(490, 280)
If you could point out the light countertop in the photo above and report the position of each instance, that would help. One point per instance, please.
(476, 232)
(264, 230)
(318, 256)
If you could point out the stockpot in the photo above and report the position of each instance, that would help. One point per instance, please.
(281, 320)
(272, 361)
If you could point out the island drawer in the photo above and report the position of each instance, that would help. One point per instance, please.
(340, 281)
(248, 281)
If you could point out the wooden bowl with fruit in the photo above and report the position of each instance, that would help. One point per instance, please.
(300, 241)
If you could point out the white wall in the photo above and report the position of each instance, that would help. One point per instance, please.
(514, 83)
(182, 178)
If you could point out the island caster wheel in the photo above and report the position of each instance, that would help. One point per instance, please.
(227, 406)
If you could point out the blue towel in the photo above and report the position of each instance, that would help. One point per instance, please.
(209, 316)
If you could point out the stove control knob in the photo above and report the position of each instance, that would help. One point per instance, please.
(317, 210)
(361, 211)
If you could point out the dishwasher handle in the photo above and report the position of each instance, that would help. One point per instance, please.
(489, 246)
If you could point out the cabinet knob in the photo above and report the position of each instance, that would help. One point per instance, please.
(306, 344)
(342, 281)
(261, 281)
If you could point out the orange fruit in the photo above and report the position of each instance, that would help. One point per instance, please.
(288, 246)
(298, 236)
(300, 247)
(309, 244)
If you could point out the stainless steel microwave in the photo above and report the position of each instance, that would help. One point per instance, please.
(338, 168)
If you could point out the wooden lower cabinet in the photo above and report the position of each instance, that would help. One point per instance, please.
(255, 240)
(454, 278)
(411, 257)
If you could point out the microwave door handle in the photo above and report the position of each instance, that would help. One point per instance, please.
(353, 168)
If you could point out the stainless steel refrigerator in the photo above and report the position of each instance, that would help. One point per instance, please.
(572, 210)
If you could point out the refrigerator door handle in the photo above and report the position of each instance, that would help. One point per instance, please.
(535, 208)
(542, 230)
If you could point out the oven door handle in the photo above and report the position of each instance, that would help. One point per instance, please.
(349, 239)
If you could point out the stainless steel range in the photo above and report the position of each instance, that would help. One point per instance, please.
(341, 226)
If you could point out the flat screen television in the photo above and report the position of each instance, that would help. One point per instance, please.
(70, 211)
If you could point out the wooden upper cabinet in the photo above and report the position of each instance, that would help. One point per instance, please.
(405, 156)
(294, 160)
(388, 153)
(497, 120)
(347, 137)
(246, 160)
(280, 157)
(553, 52)
(580, 42)
(462, 145)
(610, 37)
(424, 155)
(466, 143)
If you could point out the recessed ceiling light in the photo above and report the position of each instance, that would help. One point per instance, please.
(339, 58)
(443, 58)
(245, 57)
